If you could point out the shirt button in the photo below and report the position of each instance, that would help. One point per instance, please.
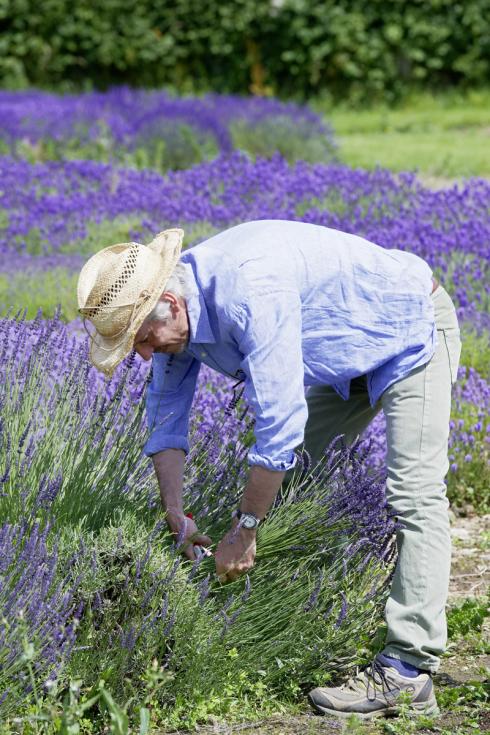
(203, 354)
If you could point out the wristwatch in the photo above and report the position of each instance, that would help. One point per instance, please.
(247, 520)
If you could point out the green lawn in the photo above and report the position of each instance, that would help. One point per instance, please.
(443, 136)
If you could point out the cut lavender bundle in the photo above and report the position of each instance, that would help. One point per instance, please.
(327, 546)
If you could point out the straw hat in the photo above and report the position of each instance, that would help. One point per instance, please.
(118, 287)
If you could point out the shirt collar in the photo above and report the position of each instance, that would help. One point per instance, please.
(200, 328)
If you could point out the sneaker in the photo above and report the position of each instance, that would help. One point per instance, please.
(374, 692)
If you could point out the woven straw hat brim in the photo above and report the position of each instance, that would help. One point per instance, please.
(106, 353)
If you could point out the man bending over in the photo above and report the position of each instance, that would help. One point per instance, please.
(283, 305)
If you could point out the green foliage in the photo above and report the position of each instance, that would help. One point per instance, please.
(472, 691)
(441, 135)
(172, 146)
(467, 617)
(40, 290)
(296, 47)
(279, 134)
(475, 352)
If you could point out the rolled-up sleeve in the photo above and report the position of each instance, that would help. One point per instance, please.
(168, 401)
(268, 334)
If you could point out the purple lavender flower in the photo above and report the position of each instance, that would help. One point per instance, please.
(315, 593)
(343, 611)
(204, 589)
(122, 120)
(39, 604)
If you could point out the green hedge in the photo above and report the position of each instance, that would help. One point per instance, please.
(286, 47)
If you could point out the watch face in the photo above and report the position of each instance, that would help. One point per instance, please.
(249, 521)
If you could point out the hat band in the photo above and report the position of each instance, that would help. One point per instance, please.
(144, 296)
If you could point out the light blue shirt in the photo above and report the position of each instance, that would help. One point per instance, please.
(284, 305)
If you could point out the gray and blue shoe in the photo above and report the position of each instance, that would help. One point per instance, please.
(375, 692)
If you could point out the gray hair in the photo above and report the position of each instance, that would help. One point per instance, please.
(178, 285)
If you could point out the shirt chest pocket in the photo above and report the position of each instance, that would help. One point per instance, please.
(170, 371)
(224, 363)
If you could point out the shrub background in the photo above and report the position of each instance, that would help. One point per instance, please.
(357, 48)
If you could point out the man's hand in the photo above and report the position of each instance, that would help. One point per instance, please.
(186, 533)
(235, 553)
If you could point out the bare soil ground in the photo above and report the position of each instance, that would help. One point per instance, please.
(470, 577)
(470, 564)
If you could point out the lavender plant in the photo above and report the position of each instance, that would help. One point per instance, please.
(67, 450)
(141, 603)
(39, 612)
(71, 440)
(154, 129)
(469, 442)
(323, 562)
(75, 471)
(60, 210)
(328, 544)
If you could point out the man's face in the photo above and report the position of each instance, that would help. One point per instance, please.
(171, 336)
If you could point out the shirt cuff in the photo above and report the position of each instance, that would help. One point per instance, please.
(281, 463)
(159, 441)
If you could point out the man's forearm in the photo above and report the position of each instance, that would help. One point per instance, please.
(261, 490)
(169, 468)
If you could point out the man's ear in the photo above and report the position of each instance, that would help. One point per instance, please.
(172, 299)
(169, 297)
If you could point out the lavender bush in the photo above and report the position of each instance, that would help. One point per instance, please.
(155, 129)
(57, 413)
(39, 612)
(52, 216)
(469, 442)
(53, 422)
(72, 463)
(329, 546)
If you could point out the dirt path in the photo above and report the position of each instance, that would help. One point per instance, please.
(470, 577)
(470, 564)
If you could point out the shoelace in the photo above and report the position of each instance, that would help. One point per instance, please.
(370, 678)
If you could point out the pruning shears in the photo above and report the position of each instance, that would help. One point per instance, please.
(199, 551)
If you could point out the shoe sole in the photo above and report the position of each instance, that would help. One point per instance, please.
(425, 708)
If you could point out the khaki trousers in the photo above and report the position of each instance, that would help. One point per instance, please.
(417, 412)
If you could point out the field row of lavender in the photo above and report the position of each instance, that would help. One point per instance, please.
(101, 619)
(156, 129)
